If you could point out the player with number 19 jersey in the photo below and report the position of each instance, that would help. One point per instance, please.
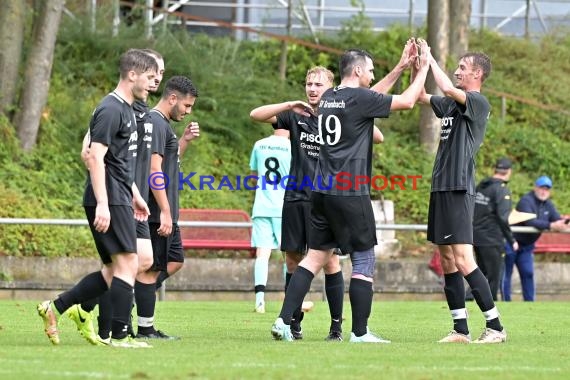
(271, 159)
(305, 148)
(346, 125)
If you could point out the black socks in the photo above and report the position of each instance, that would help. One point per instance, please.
(360, 293)
(88, 288)
(455, 294)
(122, 301)
(334, 289)
(145, 296)
(298, 287)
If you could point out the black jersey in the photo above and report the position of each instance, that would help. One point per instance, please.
(346, 127)
(462, 132)
(165, 143)
(303, 133)
(113, 125)
(493, 205)
(144, 140)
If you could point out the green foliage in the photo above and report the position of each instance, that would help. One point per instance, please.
(234, 77)
(40, 240)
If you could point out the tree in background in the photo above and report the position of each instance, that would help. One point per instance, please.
(448, 34)
(459, 18)
(12, 22)
(47, 15)
(37, 71)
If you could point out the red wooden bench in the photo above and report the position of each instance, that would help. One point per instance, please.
(553, 242)
(221, 238)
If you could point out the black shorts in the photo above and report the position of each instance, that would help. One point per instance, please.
(165, 249)
(121, 237)
(295, 226)
(450, 217)
(343, 222)
(143, 231)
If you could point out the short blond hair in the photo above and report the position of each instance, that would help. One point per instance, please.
(316, 70)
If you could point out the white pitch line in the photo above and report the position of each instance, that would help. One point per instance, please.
(70, 374)
(415, 368)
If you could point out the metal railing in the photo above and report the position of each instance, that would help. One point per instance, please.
(518, 17)
(216, 224)
(324, 15)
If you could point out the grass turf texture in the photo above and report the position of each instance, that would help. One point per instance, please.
(226, 340)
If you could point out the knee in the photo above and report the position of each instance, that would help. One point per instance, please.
(107, 272)
(292, 260)
(464, 260)
(174, 267)
(447, 259)
(145, 262)
(333, 265)
(363, 263)
(133, 263)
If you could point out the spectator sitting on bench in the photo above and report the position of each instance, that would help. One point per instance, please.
(547, 218)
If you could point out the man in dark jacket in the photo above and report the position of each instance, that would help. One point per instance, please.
(491, 223)
(547, 218)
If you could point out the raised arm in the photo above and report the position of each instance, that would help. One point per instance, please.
(411, 95)
(424, 97)
(408, 55)
(269, 112)
(445, 84)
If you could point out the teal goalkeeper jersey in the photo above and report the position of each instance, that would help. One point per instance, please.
(271, 159)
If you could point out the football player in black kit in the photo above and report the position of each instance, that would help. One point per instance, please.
(342, 217)
(299, 118)
(175, 104)
(464, 112)
(81, 314)
(110, 198)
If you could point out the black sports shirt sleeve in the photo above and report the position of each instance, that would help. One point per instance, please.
(437, 105)
(375, 104)
(158, 135)
(476, 106)
(284, 121)
(105, 124)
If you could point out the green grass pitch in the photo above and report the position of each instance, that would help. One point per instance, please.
(226, 340)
